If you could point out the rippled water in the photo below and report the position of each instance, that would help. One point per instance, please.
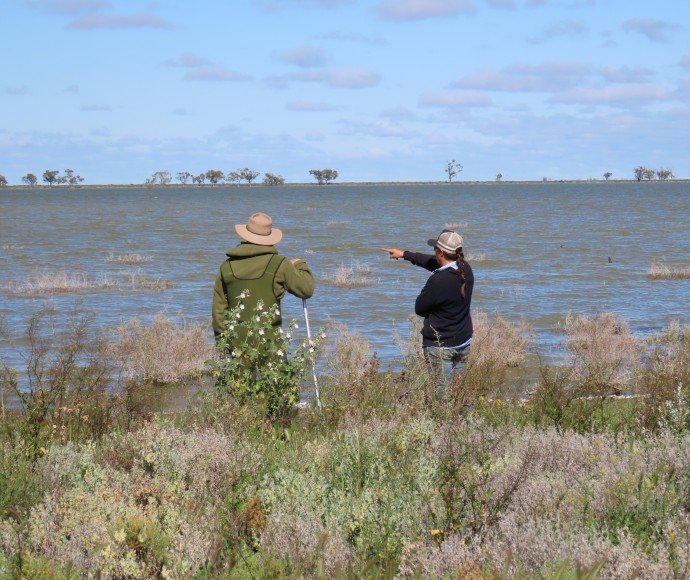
(541, 250)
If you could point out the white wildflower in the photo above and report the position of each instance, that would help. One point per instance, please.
(241, 306)
(261, 331)
(279, 353)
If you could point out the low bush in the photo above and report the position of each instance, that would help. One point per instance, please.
(568, 482)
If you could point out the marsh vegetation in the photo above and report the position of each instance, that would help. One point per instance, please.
(570, 481)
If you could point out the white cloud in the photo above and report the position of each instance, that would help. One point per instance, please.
(502, 4)
(376, 129)
(353, 78)
(626, 74)
(612, 95)
(305, 56)
(654, 30)
(216, 73)
(455, 100)
(69, 6)
(310, 106)
(398, 114)
(563, 28)
(423, 9)
(15, 90)
(139, 20)
(519, 77)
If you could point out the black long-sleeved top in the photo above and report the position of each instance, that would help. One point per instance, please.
(447, 320)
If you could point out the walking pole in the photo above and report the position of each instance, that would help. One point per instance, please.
(313, 365)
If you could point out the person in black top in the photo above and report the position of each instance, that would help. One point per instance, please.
(444, 303)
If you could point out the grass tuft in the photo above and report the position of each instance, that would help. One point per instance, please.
(356, 275)
(164, 352)
(663, 272)
(59, 283)
(128, 259)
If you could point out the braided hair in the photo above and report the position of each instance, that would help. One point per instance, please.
(459, 258)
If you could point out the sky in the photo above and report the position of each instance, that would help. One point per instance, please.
(379, 90)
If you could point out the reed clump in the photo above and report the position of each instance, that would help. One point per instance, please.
(659, 271)
(59, 283)
(165, 351)
(128, 259)
(381, 483)
(603, 354)
(357, 275)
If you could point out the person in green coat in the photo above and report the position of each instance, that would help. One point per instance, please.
(256, 271)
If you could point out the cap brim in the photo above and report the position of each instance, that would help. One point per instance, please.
(432, 242)
(271, 239)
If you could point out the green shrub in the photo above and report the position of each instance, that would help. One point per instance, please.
(256, 360)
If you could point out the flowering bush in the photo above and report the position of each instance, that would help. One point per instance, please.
(254, 361)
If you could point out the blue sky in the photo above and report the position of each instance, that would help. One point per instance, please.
(380, 90)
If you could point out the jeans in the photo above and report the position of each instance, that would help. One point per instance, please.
(444, 364)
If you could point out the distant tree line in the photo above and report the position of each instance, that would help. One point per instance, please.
(644, 173)
(215, 176)
(51, 177)
(322, 176)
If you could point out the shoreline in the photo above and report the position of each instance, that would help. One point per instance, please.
(344, 183)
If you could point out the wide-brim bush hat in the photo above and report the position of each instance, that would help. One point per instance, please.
(448, 241)
(259, 230)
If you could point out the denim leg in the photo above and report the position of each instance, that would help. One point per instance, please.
(444, 363)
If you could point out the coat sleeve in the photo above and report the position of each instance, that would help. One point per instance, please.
(296, 279)
(219, 307)
(426, 261)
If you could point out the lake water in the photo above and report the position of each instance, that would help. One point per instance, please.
(541, 250)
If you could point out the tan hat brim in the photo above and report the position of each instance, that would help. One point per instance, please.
(271, 239)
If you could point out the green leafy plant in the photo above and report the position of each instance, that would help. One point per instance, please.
(254, 362)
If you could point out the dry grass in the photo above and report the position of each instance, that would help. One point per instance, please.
(138, 281)
(164, 352)
(59, 283)
(356, 275)
(663, 272)
(497, 346)
(604, 355)
(128, 259)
